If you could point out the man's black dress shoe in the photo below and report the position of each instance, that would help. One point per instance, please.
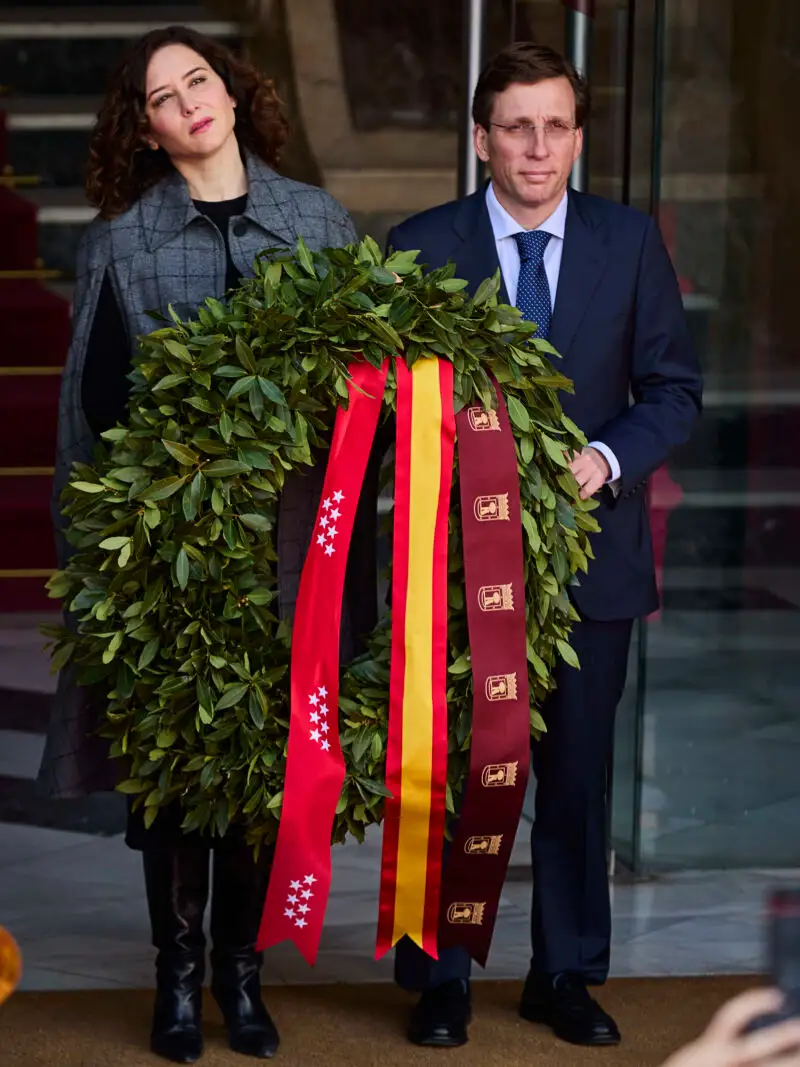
(442, 1015)
(562, 1002)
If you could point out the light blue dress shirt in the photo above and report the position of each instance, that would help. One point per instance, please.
(504, 227)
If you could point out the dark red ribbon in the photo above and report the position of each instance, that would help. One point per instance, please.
(491, 522)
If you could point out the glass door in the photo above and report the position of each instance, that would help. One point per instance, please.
(707, 746)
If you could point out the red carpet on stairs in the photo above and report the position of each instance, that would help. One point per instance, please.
(26, 535)
(28, 405)
(35, 324)
(18, 216)
(34, 336)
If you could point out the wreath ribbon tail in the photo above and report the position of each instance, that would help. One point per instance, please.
(301, 873)
(416, 758)
(491, 519)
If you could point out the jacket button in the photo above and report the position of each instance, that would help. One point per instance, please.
(240, 228)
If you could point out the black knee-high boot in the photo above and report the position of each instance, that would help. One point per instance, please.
(177, 892)
(239, 888)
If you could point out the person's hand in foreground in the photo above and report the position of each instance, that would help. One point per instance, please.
(725, 1042)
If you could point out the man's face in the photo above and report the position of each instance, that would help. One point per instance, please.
(531, 168)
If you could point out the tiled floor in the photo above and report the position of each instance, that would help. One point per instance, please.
(75, 900)
(76, 905)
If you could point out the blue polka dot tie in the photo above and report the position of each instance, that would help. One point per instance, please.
(533, 290)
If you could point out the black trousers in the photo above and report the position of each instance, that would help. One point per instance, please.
(571, 912)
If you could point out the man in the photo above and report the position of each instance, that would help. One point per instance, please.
(597, 280)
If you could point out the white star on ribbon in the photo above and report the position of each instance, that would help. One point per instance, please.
(301, 908)
(326, 530)
(324, 727)
(323, 692)
(314, 716)
(313, 699)
(323, 709)
(314, 735)
(325, 746)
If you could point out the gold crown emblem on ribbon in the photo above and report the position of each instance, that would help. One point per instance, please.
(496, 597)
(481, 419)
(501, 687)
(499, 774)
(466, 913)
(486, 845)
(493, 508)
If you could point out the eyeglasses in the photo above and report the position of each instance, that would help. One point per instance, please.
(555, 130)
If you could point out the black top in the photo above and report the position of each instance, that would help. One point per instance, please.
(104, 386)
(221, 212)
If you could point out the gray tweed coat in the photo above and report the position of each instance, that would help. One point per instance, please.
(160, 252)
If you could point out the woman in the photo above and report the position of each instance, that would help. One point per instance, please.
(181, 171)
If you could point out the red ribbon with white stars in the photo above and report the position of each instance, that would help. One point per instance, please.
(301, 872)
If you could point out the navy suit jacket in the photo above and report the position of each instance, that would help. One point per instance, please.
(618, 325)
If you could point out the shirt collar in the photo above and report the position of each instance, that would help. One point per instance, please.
(503, 225)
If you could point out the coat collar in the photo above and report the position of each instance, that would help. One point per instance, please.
(583, 259)
(167, 208)
(583, 263)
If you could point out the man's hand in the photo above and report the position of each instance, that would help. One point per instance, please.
(591, 471)
(726, 1044)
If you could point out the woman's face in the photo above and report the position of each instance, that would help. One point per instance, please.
(189, 111)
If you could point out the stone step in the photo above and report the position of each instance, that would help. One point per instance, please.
(88, 19)
(95, 6)
(95, 9)
(49, 137)
(70, 51)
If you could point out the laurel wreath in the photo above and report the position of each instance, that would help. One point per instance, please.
(173, 578)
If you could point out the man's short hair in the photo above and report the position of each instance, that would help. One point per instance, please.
(526, 63)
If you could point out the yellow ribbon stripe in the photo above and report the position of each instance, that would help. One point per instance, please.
(415, 794)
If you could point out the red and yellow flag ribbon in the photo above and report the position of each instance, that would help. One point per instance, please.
(416, 759)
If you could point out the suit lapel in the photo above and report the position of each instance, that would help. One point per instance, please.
(476, 253)
(583, 263)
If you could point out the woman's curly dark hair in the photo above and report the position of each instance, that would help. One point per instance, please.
(121, 167)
